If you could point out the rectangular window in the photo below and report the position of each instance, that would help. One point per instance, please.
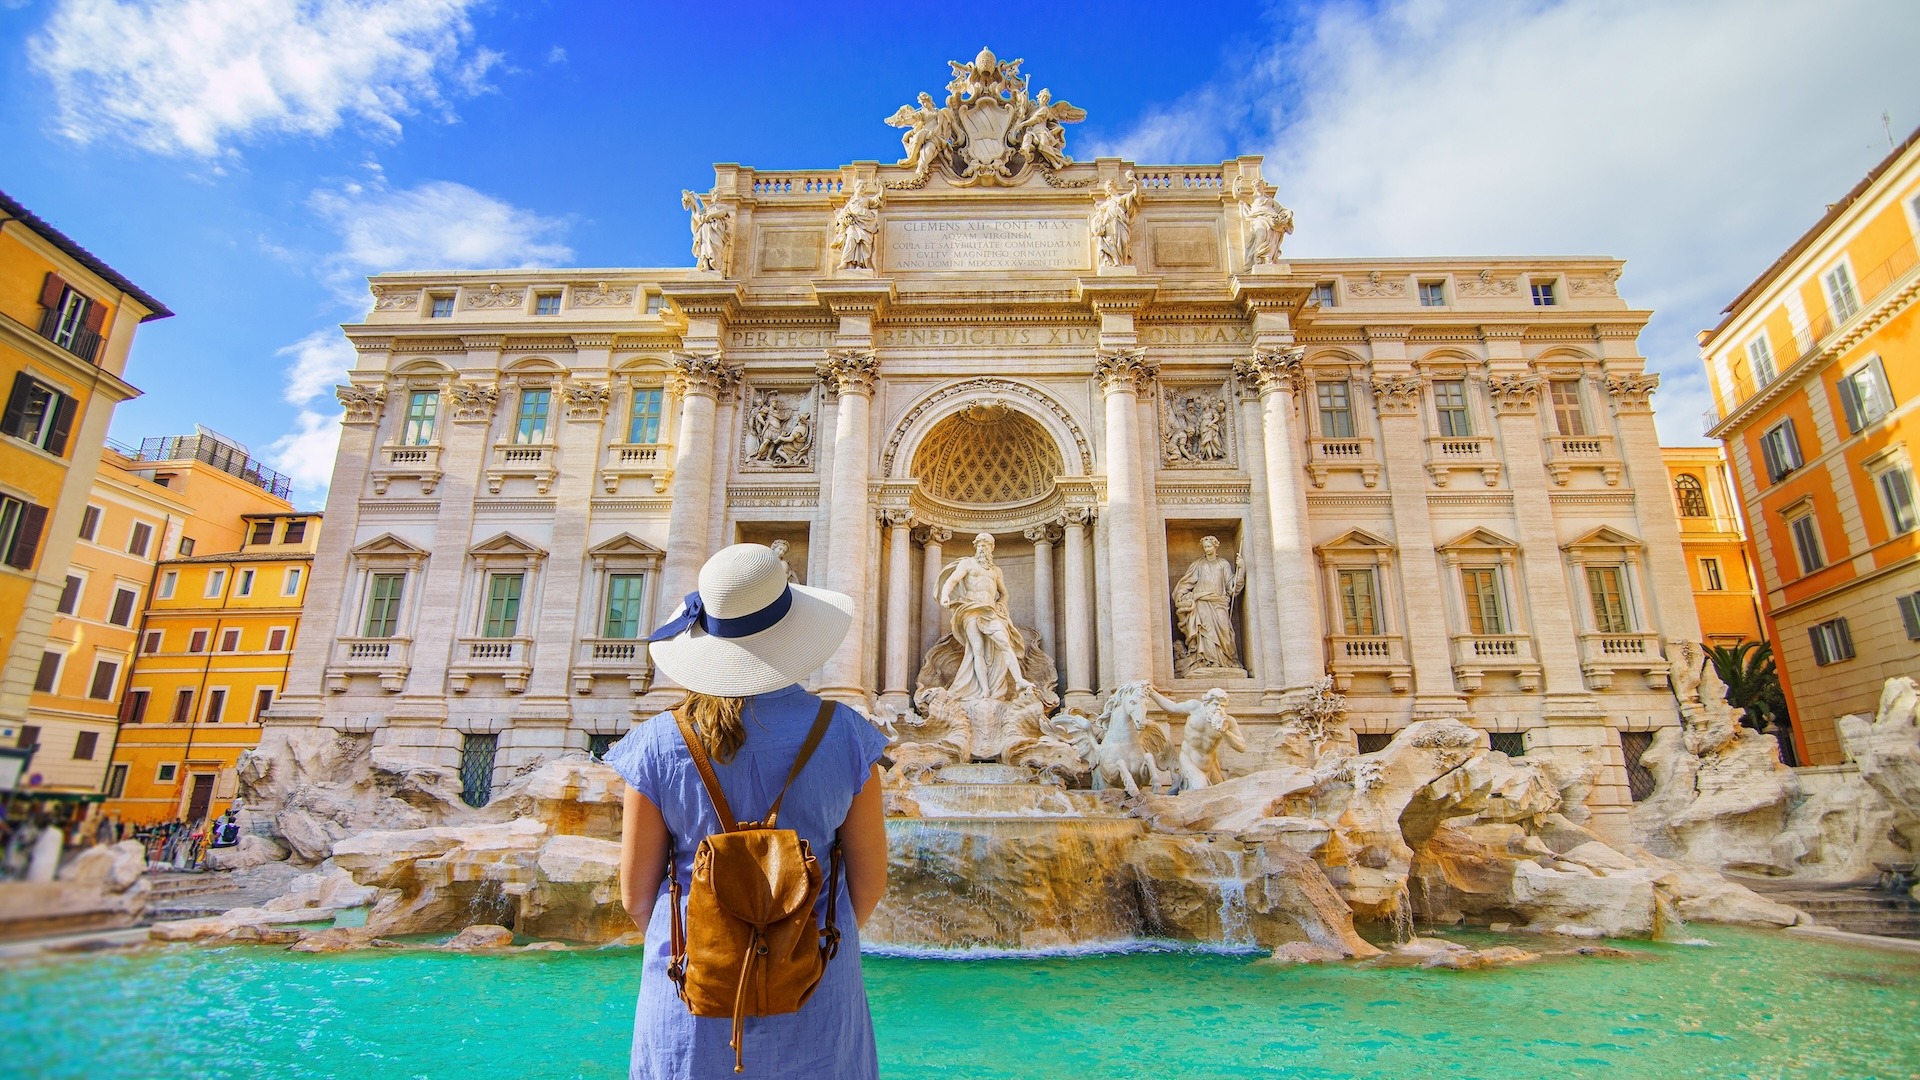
(1336, 409)
(1569, 418)
(645, 425)
(168, 582)
(1832, 642)
(48, 676)
(656, 303)
(133, 709)
(197, 641)
(531, 425)
(139, 539)
(244, 586)
(1806, 543)
(216, 705)
(90, 523)
(1486, 615)
(1910, 614)
(598, 744)
(1543, 294)
(277, 639)
(1607, 586)
(216, 583)
(20, 526)
(29, 736)
(262, 701)
(383, 605)
(262, 532)
(1780, 450)
(1864, 394)
(1450, 407)
(38, 415)
(117, 782)
(1710, 578)
(1840, 293)
(503, 605)
(476, 768)
(1357, 608)
(124, 601)
(70, 595)
(440, 307)
(1896, 495)
(106, 673)
(182, 706)
(84, 744)
(1511, 743)
(230, 640)
(546, 303)
(185, 547)
(1760, 352)
(296, 531)
(423, 407)
(1433, 294)
(624, 593)
(165, 773)
(290, 582)
(152, 642)
(1323, 294)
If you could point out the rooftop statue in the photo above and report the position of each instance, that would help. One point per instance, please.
(712, 226)
(855, 225)
(1268, 224)
(990, 131)
(1112, 222)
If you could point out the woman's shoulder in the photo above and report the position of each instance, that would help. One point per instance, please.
(640, 745)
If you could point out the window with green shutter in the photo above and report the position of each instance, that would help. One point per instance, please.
(383, 604)
(624, 595)
(503, 606)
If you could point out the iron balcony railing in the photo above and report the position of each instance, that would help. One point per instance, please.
(77, 340)
(226, 457)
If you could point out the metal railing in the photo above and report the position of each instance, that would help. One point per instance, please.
(224, 456)
(78, 340)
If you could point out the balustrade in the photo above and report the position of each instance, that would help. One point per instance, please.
(1328, 456)
(1447, 454)
(1566, 453)
(388, 658)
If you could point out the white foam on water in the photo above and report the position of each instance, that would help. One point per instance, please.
(1052, 952)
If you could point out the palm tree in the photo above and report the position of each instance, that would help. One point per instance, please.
(1754, 685)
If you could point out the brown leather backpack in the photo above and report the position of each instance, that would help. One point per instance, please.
(751, 945)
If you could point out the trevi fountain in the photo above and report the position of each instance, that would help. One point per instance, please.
(1250, 713)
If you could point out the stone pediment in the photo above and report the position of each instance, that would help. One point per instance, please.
(626, 548)
(1356, 540)
(390, 545)
(509, 545)
(1606, 536)
(1479, 540)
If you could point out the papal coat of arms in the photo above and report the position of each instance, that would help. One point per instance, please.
(990, 131)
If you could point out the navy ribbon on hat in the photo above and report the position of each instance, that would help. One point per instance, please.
(694, 613)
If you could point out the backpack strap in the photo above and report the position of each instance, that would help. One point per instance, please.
(712, 782)
(807, 748)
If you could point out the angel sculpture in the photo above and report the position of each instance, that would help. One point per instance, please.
(712, 229)
(1040, 137)
(1268, 224)
(925, 134)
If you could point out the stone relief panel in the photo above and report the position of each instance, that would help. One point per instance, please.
(1374, 286)
(495, 297)
(789, 250)
(782, 423)
(1485, 284)
(1186, 247)
(1196, 425)
(601, 295)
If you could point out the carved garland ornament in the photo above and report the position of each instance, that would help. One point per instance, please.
(1375, 286)
(601, 295)
(1396, 395)
(496, 297)
(1485, 284)
(1632, 393)
(986, 387)
(363, 403)
(1514, 393)
(1604, 285)
(395, 299)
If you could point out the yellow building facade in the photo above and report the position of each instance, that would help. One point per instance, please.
(1715, 543)
(213, 656)
(1816, 376)
(67, 321)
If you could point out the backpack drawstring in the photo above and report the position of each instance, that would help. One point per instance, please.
(756, 949)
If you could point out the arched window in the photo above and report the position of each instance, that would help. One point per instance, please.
(1692, 500)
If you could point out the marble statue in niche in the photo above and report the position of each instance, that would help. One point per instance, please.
(1268, 224)
(976, 594)
(779, 436)
(855, 225)
(1194, 428)
(1112, 222)
(712, 225)
(780, 548)
(1203, 609)
(1208, 725)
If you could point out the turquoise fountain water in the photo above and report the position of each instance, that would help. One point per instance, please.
(1751, 1004)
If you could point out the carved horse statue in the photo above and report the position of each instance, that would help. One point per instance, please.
(1130, 745)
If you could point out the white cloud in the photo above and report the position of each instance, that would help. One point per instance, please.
(197, 76)
(1694, 140)
(321, 361)
(556, 55)
(306, 453)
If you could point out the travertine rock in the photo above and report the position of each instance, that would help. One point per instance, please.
(334, 939)
(103, 887)
(1888, 751)
(480, 936)
(250, 852)
(114, 868)
(1726, 810)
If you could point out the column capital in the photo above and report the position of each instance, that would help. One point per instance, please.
(1124, 371)
(1076, 517)
(1514, 394)
(935, 534)
(849, 371)
(1272, 371)
(1044, 533)
(705, 374)
(473, 401)
(1633, 393)
(897, 516)
(1397, 395)
(363, 403)
(587, 400)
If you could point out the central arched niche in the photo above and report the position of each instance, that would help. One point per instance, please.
(987, 457)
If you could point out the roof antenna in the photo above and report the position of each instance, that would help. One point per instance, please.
(1886, 124)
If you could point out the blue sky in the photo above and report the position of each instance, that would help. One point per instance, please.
(250, 161)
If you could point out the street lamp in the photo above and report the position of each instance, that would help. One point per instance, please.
(13, 765)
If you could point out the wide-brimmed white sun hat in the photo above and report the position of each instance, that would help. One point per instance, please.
(746, 630)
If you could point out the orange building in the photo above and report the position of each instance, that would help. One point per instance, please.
(67, 321)
(1816, 374)
(1715, 543)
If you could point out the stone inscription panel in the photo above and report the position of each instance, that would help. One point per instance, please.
(987, 244)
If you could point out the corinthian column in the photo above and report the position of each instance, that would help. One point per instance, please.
(1078, 637)
(1042, 537)
(899, 605)
(849, 523)
(930, 609)
(700, 381)
(1276, 375)
(1123, 375)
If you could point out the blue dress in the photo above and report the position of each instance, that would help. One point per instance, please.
(832, 1034)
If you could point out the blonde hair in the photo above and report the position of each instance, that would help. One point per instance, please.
(717, 721)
